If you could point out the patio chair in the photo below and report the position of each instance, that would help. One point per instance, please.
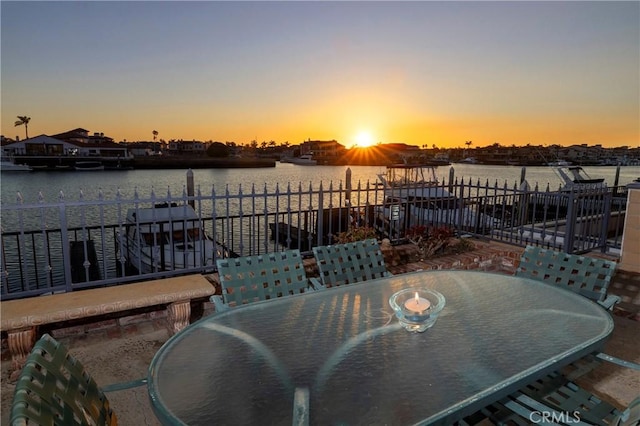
(55, 388)
(562, 395)
(587, 276)
(349, 263)
(520, 409)
(261, 277)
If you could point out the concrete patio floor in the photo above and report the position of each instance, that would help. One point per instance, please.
(122, 353)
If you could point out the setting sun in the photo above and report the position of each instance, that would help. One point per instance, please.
(364, 139)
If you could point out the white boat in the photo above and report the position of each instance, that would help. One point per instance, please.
(413, 196)
(7, 165)
(88, 165)
(165, 238)
(412, 182)
(303, 160)
(469, 160)
(575, 178)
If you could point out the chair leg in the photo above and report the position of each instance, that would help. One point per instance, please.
(301, 407)
(20, 343)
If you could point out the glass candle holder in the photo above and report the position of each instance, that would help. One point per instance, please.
(417, 308)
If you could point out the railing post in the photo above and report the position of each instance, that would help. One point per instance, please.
(348, 186)
(616, 181)
(320, 217)
(64, 237)
(190, 185)
(451, 177)
(570, 232)
(607, 201)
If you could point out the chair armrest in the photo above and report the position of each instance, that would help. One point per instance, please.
(218, 303)
(618, 361)
(316, 284)
(124, 385)
(609, 302)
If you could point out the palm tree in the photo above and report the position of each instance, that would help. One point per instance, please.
(468, 144)
(23, 119)
(155, 135)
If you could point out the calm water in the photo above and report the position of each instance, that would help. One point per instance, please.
(88, 184)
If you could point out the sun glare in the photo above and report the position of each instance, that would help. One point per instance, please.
(364, 139)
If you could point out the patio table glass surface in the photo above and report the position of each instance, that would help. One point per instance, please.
(347, 348)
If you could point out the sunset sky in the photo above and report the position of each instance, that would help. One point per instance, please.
(422, 73)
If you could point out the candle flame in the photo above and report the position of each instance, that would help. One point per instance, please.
(417, 298)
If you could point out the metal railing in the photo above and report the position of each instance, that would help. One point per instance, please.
(66, 245)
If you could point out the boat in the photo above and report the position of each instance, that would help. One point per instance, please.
(412, 182)
(414, 197)
(165, 238)
(303, 160)
(8, 165)
(469, 160)
(441, 159)
(88, 165)
(575, 178)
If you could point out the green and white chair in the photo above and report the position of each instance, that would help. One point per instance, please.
(54, 388)
(250, 279)
(346, 263)
(587, 276)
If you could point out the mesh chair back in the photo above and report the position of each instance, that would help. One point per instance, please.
(350, 262)
(55, 389)
(261, 277)
(587, 276)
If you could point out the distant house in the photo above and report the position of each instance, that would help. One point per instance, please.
(82, 135)
(41, 145)
(322, 149)
(44, 145)
(144, 149)
(186, 147)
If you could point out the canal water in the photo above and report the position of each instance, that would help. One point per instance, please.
(75, 185)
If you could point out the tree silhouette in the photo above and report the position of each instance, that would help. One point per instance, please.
(23, 119)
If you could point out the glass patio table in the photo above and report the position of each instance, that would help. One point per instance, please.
(343, 353)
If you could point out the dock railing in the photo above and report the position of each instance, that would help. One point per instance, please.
(68, 244)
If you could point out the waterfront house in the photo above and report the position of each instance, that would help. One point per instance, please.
(326, 152)
(47, 146)
(82, 136)
(181, 147)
